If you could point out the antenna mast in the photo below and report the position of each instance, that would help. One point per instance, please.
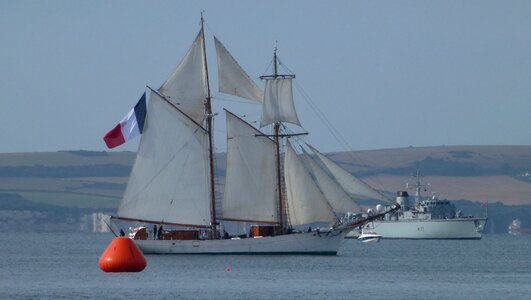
(418, 187)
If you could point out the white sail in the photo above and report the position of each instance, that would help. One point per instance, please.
(336, 196)
(306, 203)
(170, 178)
(232, 79)
(347, 181)
(278, 102)
(186, 85)
(250, 181)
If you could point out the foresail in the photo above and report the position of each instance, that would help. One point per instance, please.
(250, 180)
(306, 203)
(186, 85)
(232, 79)
(278, 102)
(336, 196)
(169, 181)
(348, 182)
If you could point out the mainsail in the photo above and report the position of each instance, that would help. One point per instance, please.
(250, 180)
(335, 195)
(306, 203)
(349, 183)
(186, 85)
(232, 79)
(158, 189)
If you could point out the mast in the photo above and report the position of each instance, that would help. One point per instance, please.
(279, 179)
(277, 142)
(276, 137)
(275, 65)
(209, 115)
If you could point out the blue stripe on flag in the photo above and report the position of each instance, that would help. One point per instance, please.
(140, 112)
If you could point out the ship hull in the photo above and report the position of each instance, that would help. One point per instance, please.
(297, 243)
(462, 228)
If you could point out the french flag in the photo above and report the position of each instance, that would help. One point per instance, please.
(129, 127)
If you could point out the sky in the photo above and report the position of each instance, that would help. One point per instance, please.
(385, 74)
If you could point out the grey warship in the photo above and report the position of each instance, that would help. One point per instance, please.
(426, 218)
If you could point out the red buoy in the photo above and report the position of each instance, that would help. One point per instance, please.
(122, 255)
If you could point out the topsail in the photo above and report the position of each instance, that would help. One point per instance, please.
(232, 79)
(186, 85)
(278, 102)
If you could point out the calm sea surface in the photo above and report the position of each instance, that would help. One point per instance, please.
(65, 266)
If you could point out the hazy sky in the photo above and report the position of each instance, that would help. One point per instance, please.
(385, 73)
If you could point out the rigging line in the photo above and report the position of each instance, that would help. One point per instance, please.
(280, 63)
(335, 133)
(268, 66)
(209, 28)
(110, 227)
(297, 138)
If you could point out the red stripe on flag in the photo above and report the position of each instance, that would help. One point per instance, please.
(114, 138)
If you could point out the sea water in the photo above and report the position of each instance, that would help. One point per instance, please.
(65, 266)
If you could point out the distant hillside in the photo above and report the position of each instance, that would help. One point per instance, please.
(66, 164)
(476, 173)
(56, 190)
(66, 158)
(442, 160)
(505, 189)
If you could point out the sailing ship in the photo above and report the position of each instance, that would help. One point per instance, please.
(267, 184)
